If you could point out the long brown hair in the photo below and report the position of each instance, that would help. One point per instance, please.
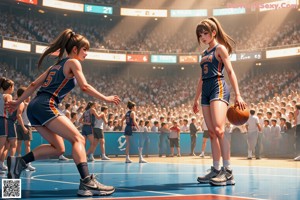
(212, 24)
(5, 83)
(65, 41)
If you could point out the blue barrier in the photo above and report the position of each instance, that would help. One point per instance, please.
(116, 144)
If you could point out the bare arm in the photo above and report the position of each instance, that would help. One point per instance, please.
(94, 112)
(223, 54)
(197, 96)
(132, 115)
(76, 69)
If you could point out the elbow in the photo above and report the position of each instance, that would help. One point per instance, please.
(84, 88)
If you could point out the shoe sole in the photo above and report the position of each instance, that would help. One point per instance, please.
(203, 181)
(89, 193)
(229, 182)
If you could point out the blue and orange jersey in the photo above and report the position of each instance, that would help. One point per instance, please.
(56, 83)
(87, 116)
(211, 67)
(129, 120)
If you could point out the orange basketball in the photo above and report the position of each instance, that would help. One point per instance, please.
(236, 116)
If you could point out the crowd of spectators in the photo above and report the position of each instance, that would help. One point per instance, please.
(152, 36)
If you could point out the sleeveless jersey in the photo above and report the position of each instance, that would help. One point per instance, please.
(87, 116)
(99, 123)
(12, 116)
(211, 67)
(2, 111)
(25, 117)
(129, 121)
(56, 83)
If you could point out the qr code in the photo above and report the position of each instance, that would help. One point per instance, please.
(11, 188)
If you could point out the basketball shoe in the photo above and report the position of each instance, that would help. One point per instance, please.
(211, 174)
(89, 186)
(225, 177)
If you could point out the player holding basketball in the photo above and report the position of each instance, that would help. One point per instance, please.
(44, 115)
(215, 96)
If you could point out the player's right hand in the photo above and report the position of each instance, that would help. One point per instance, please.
(196, 107)
(113, 99)
(11, 106)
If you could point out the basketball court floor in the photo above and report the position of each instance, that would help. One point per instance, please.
(166, 178)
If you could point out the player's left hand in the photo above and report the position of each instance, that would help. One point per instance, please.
(113, 99)
(240, 102)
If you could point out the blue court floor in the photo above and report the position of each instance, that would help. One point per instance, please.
(60, 180)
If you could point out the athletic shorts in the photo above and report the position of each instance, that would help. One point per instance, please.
(3, 127)
(87, 130)
(42, 109)
(174, 142)
(128, 131)
(24, 136)
(98, 133)
(205, 134)
(214, 89)
(12, 133)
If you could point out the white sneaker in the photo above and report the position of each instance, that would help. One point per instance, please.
(91, 158)
(297, 158)
(142, 160)
(3, 167)
(104, 157)
(128, 160)
(2, 172)
(202, 155)
(30, 167)
(63, 158)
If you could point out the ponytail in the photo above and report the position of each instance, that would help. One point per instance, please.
(65, 41)
(89, 105)
(222, 37)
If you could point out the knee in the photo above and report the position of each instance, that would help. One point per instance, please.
(219, 132)
(78, 139)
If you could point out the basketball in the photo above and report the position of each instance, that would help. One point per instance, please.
(236, 116)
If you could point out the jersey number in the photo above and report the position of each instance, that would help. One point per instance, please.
(205, 69)
(49, 79)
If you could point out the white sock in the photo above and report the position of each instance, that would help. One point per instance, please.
(103, 155)
(226, 163)
(216, 165)
(249, 153)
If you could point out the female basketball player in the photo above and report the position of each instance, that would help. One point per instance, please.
(215, 96)
(44, 115)
(130, 123)
(7, 86)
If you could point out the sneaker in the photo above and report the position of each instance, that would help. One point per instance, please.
(15, 166)
(89, 186)
(225, 177)
(128, 160)
(3, 167)
(142, 160)
(30, 167)
(179, 155)
(63, 158)
(105, 157)
(297, 158)
(249, 158)
(211, 174)
(202, 155)
(91, 158)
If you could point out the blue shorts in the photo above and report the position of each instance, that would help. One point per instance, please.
(3, 127)
(87, 130)
(214, 89)
(12, 133)
(42, 109)
(128, 131)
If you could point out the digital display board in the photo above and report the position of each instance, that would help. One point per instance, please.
(294, 51)
(143, 12)
(19, 46)
(163, 58)
(188, 59)
(228, 11)
(189, 13)
(98, 9)
(34, 2)
(137, 58)
(249, 56)
(63, 5)
(106, 56)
